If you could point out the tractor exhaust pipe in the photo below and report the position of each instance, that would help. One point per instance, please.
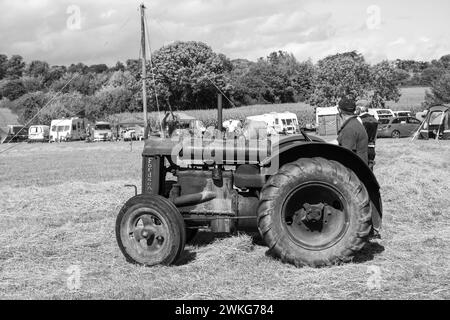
(219, 113)
(193, 199)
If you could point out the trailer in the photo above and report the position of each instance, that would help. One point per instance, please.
(38, 133)
(67, 129)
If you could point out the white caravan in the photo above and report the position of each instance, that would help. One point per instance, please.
(67, 129)
(38, 134)
(278, 123)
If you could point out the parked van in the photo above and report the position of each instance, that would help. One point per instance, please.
(381, 113)
(103, 131)
(39, 134)
(67, 129)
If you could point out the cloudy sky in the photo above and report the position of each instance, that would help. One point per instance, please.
(106, 31)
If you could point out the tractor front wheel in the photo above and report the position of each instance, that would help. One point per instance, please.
(314, 212)
(150, 230)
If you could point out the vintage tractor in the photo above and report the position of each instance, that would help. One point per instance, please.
(313, 203)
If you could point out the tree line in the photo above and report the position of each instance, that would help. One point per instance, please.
(188, 75)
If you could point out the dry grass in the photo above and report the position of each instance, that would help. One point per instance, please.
(58, 205)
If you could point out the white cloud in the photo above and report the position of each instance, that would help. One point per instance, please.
(240, 29)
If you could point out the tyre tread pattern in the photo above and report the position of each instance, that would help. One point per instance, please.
(277, 243)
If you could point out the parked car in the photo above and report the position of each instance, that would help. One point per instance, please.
(402, 113)
(397, 127)
(39, 134)
(16, 133)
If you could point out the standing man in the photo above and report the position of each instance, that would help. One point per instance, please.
(352, 134)
(371, 125)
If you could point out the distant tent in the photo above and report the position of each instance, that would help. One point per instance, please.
(327, 121)
(436, 124)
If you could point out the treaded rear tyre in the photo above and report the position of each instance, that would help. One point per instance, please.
(150, 230)
(289, 238)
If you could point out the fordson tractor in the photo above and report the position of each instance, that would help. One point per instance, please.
(313, 203)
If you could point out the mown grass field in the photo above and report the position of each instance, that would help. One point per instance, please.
(58, 204)
(411, 99)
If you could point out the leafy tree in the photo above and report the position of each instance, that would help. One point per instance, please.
(338, 75)
(3, 61)
(445, 61)
(113, 100)
(12, 89)
(118, 67)
(385, 84)
(33, 84)
(122, 78)
(185, 73)
(37, 68)
(78, 68)
(134, 67)
(55, 73)
(15, 67)
(277, 78)
(98, 68)
(86, 84)
(431, 74)
(28, 105)
(440, 91)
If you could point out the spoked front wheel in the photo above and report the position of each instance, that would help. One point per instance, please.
(150, 230)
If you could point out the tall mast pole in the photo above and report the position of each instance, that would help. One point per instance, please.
(144, 70)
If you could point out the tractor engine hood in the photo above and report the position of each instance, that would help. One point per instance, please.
(219, 151)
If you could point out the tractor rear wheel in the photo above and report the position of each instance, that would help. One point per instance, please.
(314, 212)
(150, 230)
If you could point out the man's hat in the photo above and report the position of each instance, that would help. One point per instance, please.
(347, 105)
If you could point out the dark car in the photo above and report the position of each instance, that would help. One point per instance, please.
(16, 133)
(397, 127)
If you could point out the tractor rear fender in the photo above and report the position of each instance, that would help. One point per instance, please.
(294, 150)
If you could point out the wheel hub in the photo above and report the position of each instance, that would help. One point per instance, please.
(148, 233)
(315, 215)
(309, 213)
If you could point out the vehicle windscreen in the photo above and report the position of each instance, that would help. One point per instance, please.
(384, 121)
(16, 130)
(35, 130)
(383, 112)
(102, 127)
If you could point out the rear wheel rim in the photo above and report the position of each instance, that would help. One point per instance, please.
(396, 134)
(145, 234)
(315, 234)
